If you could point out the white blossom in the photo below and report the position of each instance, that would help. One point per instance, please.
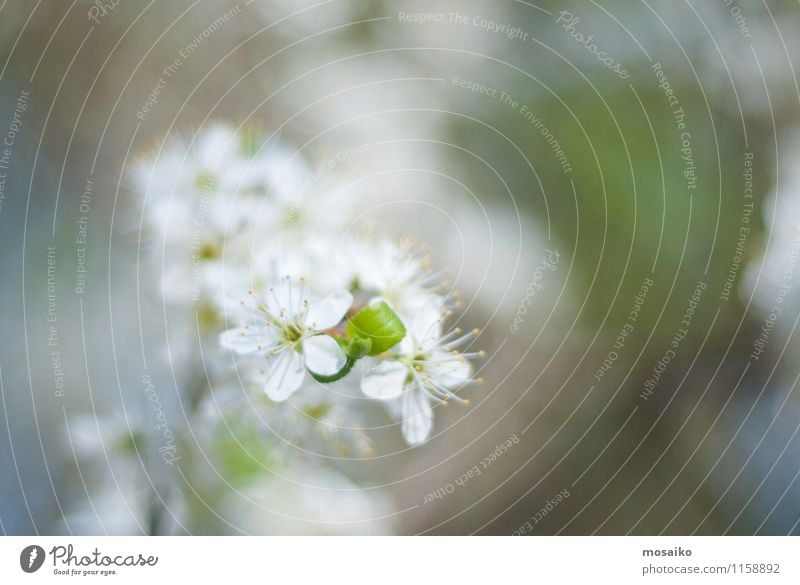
(425, 369)
(286, 328)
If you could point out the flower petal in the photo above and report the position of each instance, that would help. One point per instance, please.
(215, 142)
(323, 355)
(449, 370)
(247, 339)
(285, 297)
(384, 381)
(328, 311)
(417, 417)
(286, 373)
(426, 324)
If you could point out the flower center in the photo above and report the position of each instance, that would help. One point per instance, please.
(208, 251)
(204, 180)
(292, 332)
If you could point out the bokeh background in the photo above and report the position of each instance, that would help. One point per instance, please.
(653, 145)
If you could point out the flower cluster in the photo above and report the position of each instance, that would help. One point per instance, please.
(294, 289)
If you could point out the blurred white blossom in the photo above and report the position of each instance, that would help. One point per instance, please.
(266, 268)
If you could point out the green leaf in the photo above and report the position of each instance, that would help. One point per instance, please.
(379, 324)
(358, 347)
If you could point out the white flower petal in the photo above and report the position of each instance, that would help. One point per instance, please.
(417, 416)
(323, 355)
(426, 324)
(385, 381)
(449, 370)
(283, 171)
(286, 373)
(247, 339)
(328, 311)
(408, 346)
(216, 141)
(285, 297)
